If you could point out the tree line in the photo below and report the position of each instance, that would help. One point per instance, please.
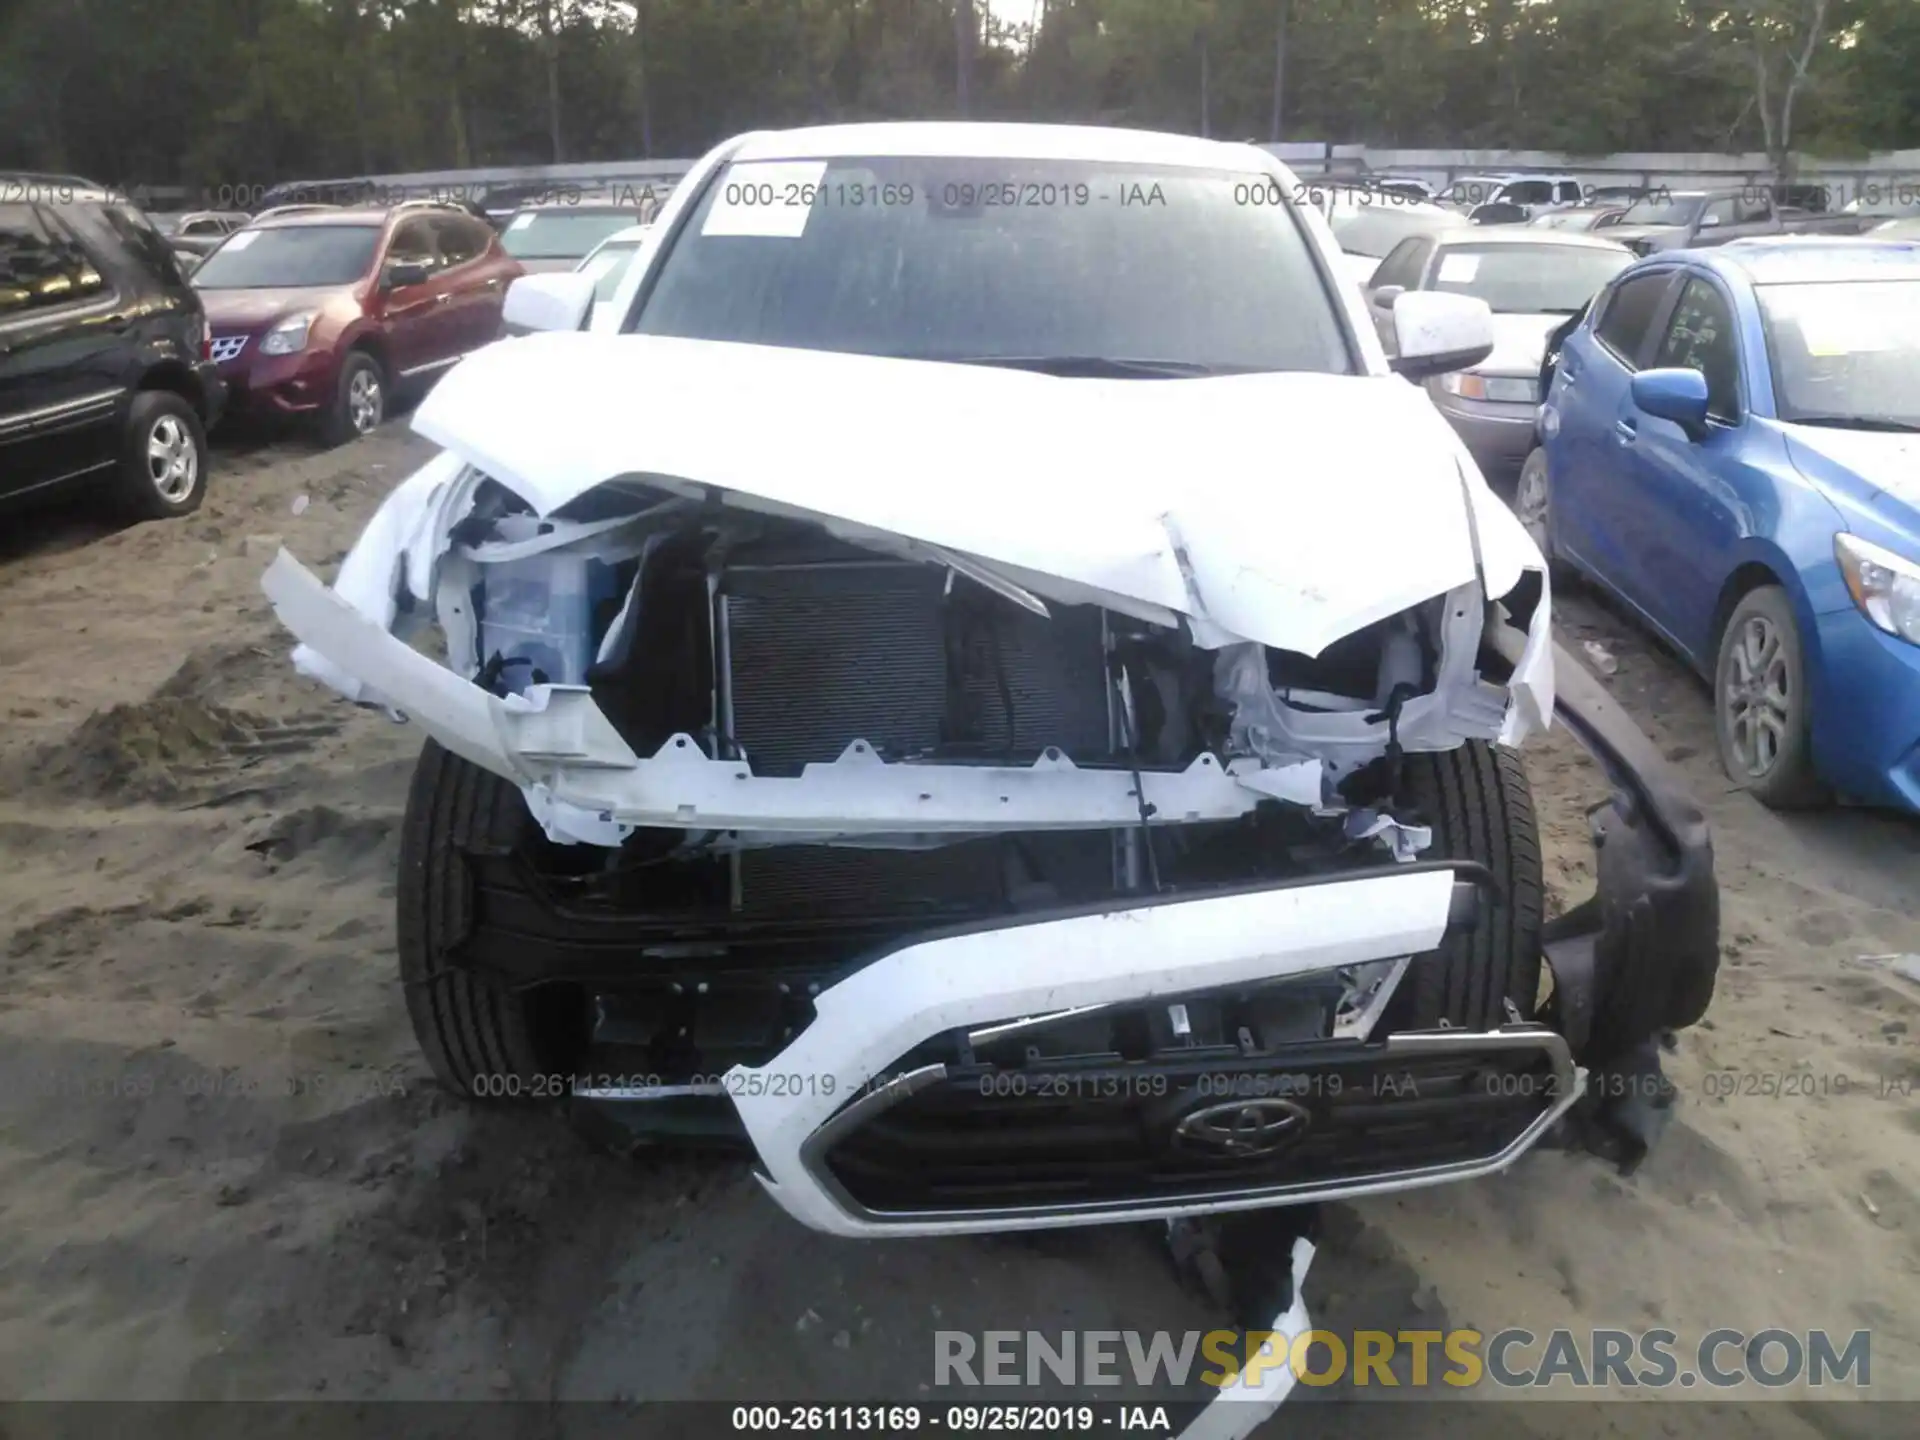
(211, 93)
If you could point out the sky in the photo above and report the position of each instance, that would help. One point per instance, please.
(1014, 12)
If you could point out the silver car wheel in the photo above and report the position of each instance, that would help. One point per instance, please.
(173, 459)
(1758, 699)
(1530, 504)
(365, 404)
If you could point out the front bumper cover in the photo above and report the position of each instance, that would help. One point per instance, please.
(836, 1074)
(1636, 959)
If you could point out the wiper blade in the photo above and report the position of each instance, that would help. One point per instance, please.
(1860, 422)
(1097, 367)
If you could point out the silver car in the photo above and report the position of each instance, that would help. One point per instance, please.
(1533, 279)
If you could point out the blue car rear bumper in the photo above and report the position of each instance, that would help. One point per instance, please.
(1866, 728)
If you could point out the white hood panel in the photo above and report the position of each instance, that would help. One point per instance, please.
(1290, 509)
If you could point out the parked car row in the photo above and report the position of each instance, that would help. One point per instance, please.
(1729, 444)
(1731, 448)
(1681, 219)
(325, 315)
(126, 337)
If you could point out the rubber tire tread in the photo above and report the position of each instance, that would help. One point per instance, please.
(471, 1027)
(1480, 805)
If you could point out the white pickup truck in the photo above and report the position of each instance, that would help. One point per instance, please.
(972, 676)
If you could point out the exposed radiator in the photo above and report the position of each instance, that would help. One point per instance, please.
(824, 655)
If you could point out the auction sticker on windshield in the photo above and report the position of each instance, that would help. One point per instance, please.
(1458, 269)
(766, 198)
(242, 240)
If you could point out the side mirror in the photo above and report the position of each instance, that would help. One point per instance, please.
(1676, 394)
(1384, 296)
(1435, 332)
(1709, 222)
(559, 300)
(401, 273)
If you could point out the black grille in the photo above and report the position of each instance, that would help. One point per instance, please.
(1062, 1135)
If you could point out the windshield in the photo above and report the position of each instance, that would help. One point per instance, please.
(166, 224)
(959, 258)
(289, 256)
(561, 234)
(607, 264)
(1528, 279)
(1664, 210)
(1845, 351)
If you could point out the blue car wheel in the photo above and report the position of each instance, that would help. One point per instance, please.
(1760, 704)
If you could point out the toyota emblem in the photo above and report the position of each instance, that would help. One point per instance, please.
(1242, 1129)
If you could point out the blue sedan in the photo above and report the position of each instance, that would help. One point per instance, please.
(1731, 447)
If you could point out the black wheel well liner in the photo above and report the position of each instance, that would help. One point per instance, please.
(1746, 578)
(179, 379)
(372, 344)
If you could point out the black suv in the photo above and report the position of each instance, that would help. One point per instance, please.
(104, 367)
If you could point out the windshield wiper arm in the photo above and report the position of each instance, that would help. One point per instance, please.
(1860, 422)
(1096, 367)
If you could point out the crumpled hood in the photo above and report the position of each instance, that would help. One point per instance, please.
(1291, 509)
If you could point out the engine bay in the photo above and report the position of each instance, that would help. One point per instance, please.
(774, 644)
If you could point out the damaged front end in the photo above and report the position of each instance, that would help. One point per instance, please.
(978, 893)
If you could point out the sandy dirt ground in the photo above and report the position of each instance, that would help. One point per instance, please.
(225, 1174)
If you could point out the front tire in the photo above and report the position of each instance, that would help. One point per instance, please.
(482, 1037)
(1761, 710)
(1533, 507)
(1480, 806)
(359, 400)
(163, 458)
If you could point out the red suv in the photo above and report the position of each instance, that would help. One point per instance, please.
(322, 316)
